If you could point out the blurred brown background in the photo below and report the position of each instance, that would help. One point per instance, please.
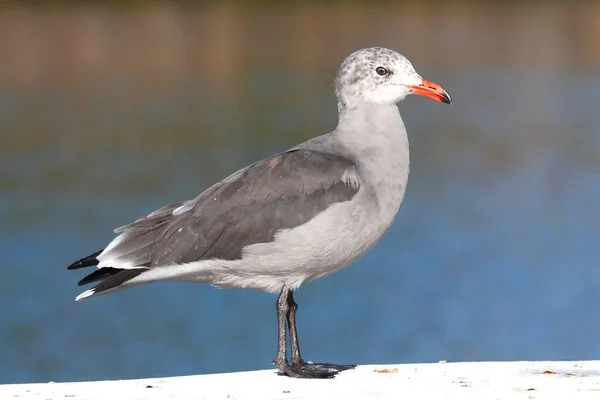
(154, 47)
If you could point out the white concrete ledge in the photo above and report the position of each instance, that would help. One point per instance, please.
(570, 380)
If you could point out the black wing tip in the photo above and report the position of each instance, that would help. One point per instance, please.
(113, 280)
(98, 274)
(86, 261)
(117, 279)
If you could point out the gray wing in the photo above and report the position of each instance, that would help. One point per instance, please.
(250, 206)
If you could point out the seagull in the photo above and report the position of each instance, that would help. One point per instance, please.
(290, 218)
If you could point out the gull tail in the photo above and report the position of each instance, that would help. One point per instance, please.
(111, 278)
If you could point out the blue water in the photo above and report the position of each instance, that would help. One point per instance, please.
(493, 256)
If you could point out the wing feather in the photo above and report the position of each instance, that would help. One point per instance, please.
(250, 206)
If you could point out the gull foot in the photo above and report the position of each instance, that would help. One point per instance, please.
(308, 371)
(317, 366)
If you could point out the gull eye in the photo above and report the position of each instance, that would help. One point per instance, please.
(381, 71)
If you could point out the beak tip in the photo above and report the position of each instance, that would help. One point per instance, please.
(445, 97)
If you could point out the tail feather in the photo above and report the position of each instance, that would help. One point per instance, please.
(86, 261)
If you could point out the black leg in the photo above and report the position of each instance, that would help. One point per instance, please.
(297, 360)
(291, 320)
(281, 358)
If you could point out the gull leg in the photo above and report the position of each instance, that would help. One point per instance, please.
(297, 360)
(281, 358)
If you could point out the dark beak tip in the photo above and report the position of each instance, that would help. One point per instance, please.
(447, 99)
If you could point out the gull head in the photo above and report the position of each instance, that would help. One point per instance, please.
(383, 77)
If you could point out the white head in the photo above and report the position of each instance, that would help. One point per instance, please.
(381, 76)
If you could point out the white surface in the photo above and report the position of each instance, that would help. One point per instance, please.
(569, 380)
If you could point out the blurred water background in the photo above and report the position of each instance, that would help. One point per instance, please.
(110, 110)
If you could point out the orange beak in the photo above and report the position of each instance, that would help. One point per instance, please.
(431, 90)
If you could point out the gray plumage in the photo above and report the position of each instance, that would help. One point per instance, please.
(280, 192)
(290, 218)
